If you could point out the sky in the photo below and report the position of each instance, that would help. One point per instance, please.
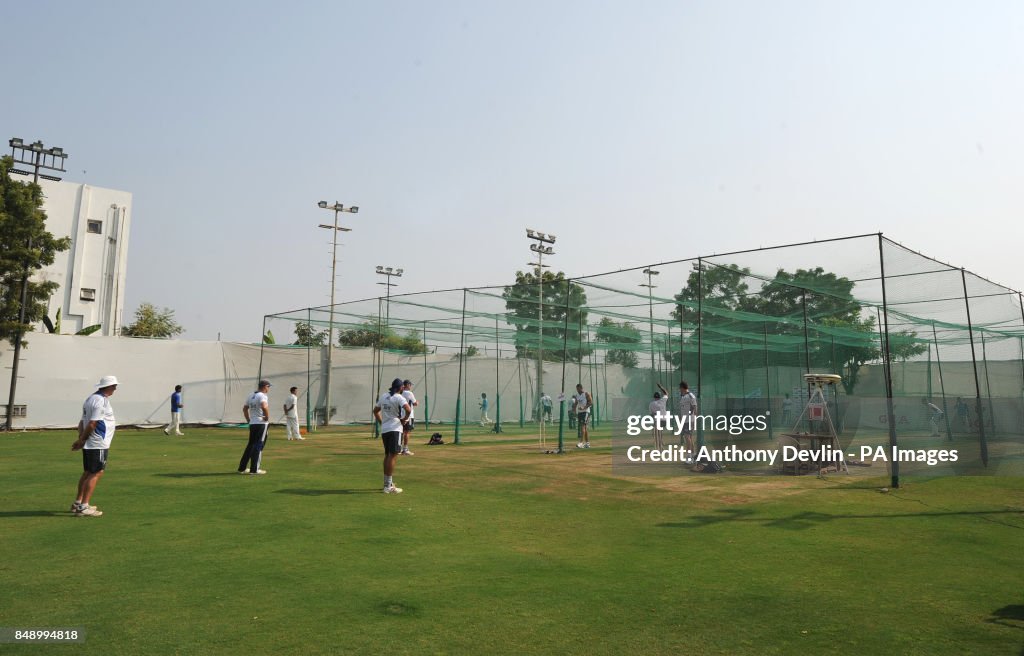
(637, 132)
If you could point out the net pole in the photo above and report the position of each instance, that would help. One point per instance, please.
(380, 356)
(1020, 300)
(977, 385)
(604, 371)
(887, 363)
(590, 372)
(458, 391)
(928, 372)
(767, 379)
(942, 383)
(565, 341)
(988, 384)
(373, 382)
(309, 349)
(579, 350)
(807, 345)
(263, 342)
(426, 387)
(519, 371)
(497, 379)
(700, 348)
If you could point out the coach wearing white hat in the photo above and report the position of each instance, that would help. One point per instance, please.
(95, 432)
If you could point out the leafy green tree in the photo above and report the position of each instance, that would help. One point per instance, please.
(25, 247)
(837, 334)
(561, 324)
(151, 321)
(620, 341)
(372, 333)
(307, 335)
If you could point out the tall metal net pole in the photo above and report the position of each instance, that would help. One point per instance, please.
(458, 392)
(426, 388)
(942, 383)
(887, 363)
(974, 363)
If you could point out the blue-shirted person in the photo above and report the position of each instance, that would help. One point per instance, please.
(176, 406)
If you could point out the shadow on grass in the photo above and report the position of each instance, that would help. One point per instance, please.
(805, 520)
(320, 493)
(1012, 616)
(33, 513)
(196, 474)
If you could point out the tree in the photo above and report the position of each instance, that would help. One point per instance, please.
(373, 334)
(306, 335)
(561, 324)
(620, 341)
(25, 247)
(837, 334)
(151, 321)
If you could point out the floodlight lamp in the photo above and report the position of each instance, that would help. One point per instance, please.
(354, 209)
(57, 151)
(551, 237)
(540, 235)
(15, 142)
(529, 233)
(322, 204)
(399, 272)
(380, 269)
(37, 147)
(549, 250)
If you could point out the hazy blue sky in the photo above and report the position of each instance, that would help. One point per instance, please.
(635, 131)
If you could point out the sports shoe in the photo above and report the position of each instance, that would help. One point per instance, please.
(75, 506)
(258, 471)
(180, 434)
(301, 438)
(587, 445)
(243, 471)
(407, 452)
(89, 511)
(165, 432)
(392, 490)
(579, 445)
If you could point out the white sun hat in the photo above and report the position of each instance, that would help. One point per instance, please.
(106, 381)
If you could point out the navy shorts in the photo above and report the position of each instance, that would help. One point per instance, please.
(94, 460)
(392, 441)
(582, 418)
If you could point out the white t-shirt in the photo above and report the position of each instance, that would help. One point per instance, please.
(410, 398)
(292, 401)
(687, 404)
(657, 405)
(97, 408)
(255, 403)
(391, 412)
(581, 402)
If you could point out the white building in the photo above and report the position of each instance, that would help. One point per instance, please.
(91, 273)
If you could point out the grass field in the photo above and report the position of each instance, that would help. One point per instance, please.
(495, 548)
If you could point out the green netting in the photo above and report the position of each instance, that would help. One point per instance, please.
(742, 328)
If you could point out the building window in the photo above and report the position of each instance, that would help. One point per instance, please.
(19, 411)
(88, 294)
(95, 227)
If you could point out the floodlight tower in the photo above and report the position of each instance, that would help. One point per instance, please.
(390, 273)
(38, 157)
(541, 250)
(338, 208)
(649, 272)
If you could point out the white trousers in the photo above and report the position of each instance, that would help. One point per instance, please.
(292, 424)
(175, 425)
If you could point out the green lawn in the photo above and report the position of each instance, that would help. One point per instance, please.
(495, 548)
